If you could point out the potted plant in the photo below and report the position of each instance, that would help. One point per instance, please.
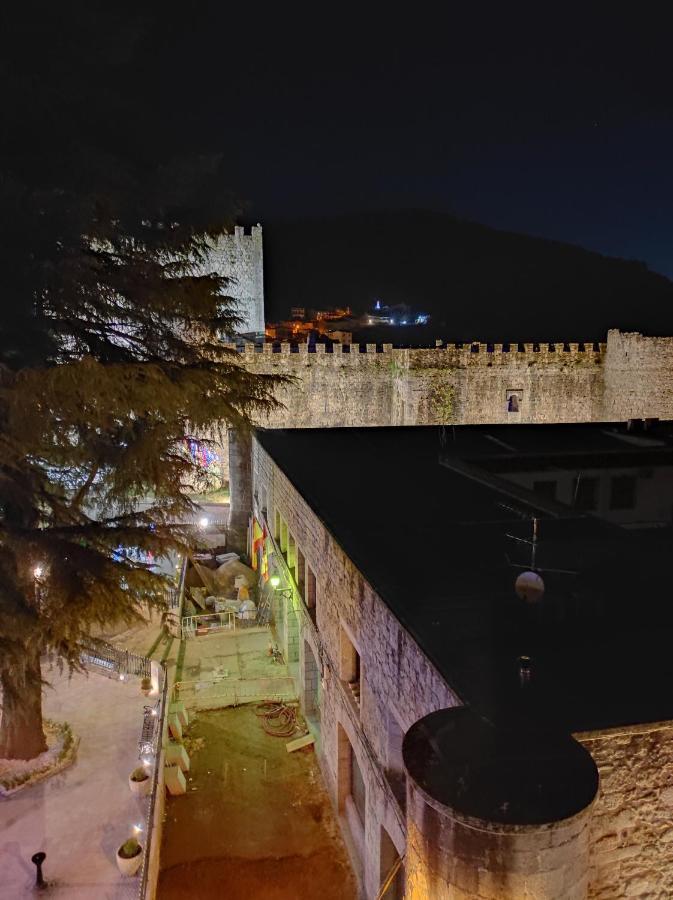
(129, 857)
(146, 685)
(139, 781)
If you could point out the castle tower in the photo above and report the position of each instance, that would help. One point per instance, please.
(240, 257)
(495, 813)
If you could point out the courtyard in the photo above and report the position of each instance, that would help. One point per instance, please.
(256, 820)
(80, 816)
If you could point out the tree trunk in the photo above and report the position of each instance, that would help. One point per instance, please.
(21, 732)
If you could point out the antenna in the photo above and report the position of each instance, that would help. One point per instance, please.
(529, 584)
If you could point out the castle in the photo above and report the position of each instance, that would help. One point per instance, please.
(428, 789)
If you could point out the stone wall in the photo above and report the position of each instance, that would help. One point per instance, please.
(631, 828)
(630, 376)
(453, 857)
(398, 684)
(240, 257)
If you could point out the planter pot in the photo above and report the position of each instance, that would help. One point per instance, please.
(140, 788)
(129, 866)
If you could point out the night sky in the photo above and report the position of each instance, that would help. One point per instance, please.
(549, 122)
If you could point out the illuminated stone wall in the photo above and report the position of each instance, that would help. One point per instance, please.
(453, 857)
(240, 256)
(629, 376)
(628, 831)
(631, 828)
(397, 679)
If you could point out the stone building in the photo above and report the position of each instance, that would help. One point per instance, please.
(240, 257)
(503, 736)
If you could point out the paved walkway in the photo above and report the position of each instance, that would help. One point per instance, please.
(82, 815)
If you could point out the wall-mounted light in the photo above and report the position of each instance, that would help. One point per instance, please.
(274, 581)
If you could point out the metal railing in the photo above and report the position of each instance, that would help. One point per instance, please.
(227, 620)
(156, 750)
(220, 694)
(111, 660)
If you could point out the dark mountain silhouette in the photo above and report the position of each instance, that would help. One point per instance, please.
(476, 282)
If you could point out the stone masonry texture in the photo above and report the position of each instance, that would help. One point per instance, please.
(629, 376)
(621, 847)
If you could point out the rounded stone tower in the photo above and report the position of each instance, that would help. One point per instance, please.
(495, 813)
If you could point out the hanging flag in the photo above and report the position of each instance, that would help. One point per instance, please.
(257, 542)
(265, 556)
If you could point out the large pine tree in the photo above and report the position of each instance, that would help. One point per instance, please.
(111, 353)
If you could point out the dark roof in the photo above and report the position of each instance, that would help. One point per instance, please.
(436, 540)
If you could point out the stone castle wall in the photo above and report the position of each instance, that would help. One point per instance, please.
(629, 376)
(627, 837)
(397, 679)
(631, 827)
(240, 257)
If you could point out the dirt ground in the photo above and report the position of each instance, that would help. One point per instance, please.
(255, 823)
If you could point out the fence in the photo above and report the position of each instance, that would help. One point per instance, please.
(228, 620)
(146, 890)
(219, 694)
(111, 660)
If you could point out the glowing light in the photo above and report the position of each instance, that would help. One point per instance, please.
(203, 522)
(38, 571)
(122, 677)
(146, 761)
(154, 712)
(137, 829)
(275, 581)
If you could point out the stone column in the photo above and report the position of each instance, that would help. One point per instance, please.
(240, 488)
(495, 815)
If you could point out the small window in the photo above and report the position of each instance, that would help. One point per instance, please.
(586, 493)
(358, 791)
(350, 670)
(546, 489)
(394, 762)
(300, 573)
(310, 588)
(513, 400)
(623, 492)
(391, 862)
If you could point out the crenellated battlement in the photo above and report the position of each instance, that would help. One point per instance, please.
(469, 352)
(357, 385)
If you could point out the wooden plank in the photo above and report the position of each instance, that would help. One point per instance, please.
(298, 743)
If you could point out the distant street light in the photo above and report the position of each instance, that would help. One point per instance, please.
(38, 571)
(203, 522)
